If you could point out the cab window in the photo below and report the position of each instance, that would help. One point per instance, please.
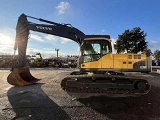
(91, 50)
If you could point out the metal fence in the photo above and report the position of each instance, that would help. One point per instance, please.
(155, 69)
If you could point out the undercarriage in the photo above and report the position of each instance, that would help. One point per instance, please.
(105, 83)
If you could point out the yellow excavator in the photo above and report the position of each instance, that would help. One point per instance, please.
(101, 71)
(37, 61)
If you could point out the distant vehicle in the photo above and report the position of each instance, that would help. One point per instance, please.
(37, 60)
(5, 60)
(155, 62)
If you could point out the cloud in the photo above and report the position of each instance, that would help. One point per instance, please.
(32, 51)
(45, 52)
(113, 40)
(6, 50)
(36, 37)
(112, 43)
(5, 40)
(50, 37)
(6, 44)
(154, 45)
(103, 31)
(64, 40)
(62, 7)
(153, 41)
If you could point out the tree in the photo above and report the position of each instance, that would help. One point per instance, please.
(132, 41)
(148, 52)
(156, 54)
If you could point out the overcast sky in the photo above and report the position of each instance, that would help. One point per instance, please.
(109, 17)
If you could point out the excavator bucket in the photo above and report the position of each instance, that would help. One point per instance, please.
(21, 77)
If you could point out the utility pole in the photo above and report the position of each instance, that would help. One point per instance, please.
(57, 52)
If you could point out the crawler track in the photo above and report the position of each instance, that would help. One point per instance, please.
(103, 83)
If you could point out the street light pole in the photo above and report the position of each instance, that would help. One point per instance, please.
(57, 52)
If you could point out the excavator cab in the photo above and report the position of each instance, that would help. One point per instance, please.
(94, 47)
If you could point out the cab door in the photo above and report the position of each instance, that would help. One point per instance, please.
(107, 56)
(91, 54)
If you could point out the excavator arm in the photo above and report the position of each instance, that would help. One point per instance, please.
(24, 26)
(20, 74)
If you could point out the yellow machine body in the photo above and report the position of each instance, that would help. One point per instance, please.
(124, 62)
(108, 61)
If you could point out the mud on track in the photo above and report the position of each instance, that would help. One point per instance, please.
(46, 100)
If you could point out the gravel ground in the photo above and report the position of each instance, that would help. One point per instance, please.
(47, 101)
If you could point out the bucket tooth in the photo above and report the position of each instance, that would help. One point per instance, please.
(21, 77)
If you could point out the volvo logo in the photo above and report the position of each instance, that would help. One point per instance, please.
(43, 28)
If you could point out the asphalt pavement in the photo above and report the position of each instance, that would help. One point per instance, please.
(47, 101)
